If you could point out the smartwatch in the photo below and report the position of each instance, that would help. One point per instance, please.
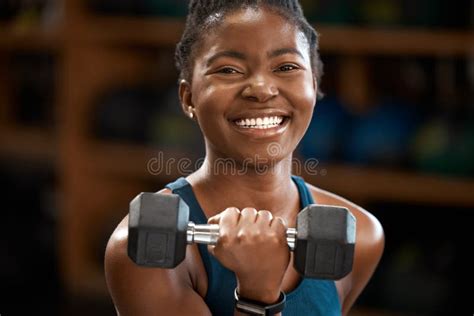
(252, 307)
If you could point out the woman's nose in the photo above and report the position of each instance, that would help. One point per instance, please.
(260, 90)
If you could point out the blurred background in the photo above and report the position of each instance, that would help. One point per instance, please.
(88, 98)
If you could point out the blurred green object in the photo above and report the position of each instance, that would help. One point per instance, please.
(382, 12)
(177, 131)
(441, 149)
(329, 11)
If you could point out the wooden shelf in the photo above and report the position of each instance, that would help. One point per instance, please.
(372, 41)
(30, 39)
(134, 31)
(166, 32)
(380, 184)
(28, 144)
(334, 39)
(353, 182)
(135, 161)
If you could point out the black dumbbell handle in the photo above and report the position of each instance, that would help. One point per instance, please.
(208, 234)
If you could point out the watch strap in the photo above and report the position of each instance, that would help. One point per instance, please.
(252, 307)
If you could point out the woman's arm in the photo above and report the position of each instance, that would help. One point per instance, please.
(137, 291)
(370, 242)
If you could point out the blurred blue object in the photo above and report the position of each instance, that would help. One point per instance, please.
(327, 129)
(443, 147)
(383, 135)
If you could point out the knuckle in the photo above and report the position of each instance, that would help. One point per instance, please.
(232, 210)
(214, 219)
(241, 236)
(281, 221)
(249, 210)
(265, 214)
(224, 239)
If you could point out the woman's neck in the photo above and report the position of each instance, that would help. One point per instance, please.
(222, 183)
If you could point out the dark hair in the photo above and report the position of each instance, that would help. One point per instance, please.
(198, 22)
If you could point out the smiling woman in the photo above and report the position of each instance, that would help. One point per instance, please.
(249, 78)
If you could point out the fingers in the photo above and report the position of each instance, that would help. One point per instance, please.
(248, 216)
(226, 220)
(230, 214)
(236, 226)
(264, 219)
(233, 216)
(279, 225)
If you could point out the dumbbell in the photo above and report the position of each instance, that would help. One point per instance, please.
(159, 230)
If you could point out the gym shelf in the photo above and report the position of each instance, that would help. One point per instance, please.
(12, 38)
(363, 184)
(163, 32)
(381, 184)
(334, 39)
(28, 144)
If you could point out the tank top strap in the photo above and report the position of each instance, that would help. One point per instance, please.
(306, 197)
(182, 187)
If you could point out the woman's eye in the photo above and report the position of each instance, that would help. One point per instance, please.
(287, 68)
(228, 71)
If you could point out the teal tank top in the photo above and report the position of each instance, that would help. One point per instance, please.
(310, 297)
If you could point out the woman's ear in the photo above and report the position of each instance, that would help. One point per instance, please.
(316, 89)
(185, 98)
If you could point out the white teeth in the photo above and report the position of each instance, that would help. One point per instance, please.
(260, 122)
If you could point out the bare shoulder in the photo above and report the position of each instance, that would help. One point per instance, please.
(370, 242)
(139, 290)
(368, 225)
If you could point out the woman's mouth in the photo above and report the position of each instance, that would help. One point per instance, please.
(262, 127)
(264, 122)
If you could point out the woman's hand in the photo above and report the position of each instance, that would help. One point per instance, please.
(253, 244)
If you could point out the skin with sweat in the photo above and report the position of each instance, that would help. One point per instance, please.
(241, 76)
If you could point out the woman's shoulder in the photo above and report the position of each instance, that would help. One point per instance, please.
(370, 242)
(117, 246)
(118, 241)
(368, 225)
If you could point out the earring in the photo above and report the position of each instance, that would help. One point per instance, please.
(190, 112)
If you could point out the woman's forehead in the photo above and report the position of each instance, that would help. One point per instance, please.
(252, 29)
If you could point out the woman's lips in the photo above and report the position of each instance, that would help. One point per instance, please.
(261, 127)
(263, 122)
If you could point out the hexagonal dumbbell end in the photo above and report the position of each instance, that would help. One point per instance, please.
(157, 227)
(325, 242)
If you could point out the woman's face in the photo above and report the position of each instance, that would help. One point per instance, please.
(253, 90)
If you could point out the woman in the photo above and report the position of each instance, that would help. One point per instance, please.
(249, 78)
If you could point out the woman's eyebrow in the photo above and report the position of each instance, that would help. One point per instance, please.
(241, 56)
(284, 51)
(226, 53)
